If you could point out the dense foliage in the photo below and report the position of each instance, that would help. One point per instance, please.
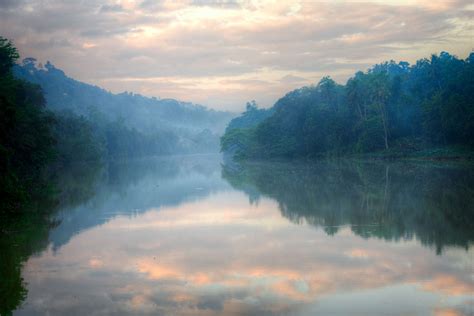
(391, 107)
(239, 132)
(26, 135)
(34, 140)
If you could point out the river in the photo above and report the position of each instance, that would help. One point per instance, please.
(195, 235)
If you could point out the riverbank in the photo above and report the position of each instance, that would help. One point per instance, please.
(435, 154)
(450, 153)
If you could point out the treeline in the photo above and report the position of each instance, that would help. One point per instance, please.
(111, 126)
(27, 143)
(81, 138)
(188, 127)
(393, 107)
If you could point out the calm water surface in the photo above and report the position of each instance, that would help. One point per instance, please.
(195, 236)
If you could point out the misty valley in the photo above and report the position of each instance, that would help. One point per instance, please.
(340, 199)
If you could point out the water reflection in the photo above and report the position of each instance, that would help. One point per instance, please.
(26, 232)
(171, 237)
(393, 201)
(133, 187)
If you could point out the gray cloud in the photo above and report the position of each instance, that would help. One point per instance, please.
(254, 43)
(111, 8)
(151, 4)
(217, 3)
(10, 4)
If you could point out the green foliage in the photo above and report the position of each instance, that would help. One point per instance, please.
(250, 118)
(76, 139)
(26, 140)
(33, 139)
(239, 141)
(8, 56)
(124, 142)
(392, 106)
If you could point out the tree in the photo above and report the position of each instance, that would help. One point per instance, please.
(8, 56)
(379, 94)
(391, 106)
(26, 141)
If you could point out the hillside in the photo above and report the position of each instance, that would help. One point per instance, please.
(189, 122)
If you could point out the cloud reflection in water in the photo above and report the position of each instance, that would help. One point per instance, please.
(220, 254)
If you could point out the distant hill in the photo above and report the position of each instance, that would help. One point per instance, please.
(192, 123)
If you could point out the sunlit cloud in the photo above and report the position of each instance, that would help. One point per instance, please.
(120, 44)
(449, 285)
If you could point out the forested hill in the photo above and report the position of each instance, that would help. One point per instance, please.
(148, 115)
(393, 108)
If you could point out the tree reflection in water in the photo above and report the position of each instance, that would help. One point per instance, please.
(26, 233)
(397, 200)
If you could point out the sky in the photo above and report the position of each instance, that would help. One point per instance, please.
(223, 53)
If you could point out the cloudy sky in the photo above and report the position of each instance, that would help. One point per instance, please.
(223, 53)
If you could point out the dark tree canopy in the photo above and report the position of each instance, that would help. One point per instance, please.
(391, 107)
(26, 141)
(8, 56)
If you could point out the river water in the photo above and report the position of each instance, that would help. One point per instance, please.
(199, 236)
